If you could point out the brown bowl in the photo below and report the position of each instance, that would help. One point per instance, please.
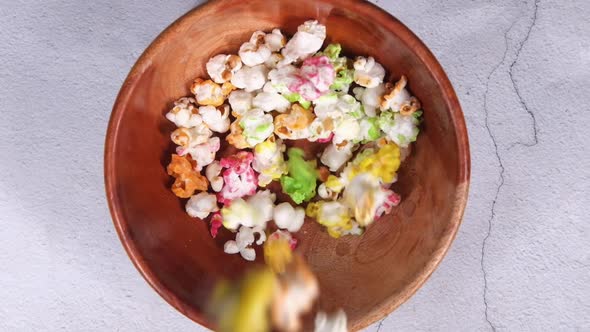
(369, 275)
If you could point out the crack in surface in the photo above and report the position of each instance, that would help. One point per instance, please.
(496, 151)
(515, 86)
(380, 325)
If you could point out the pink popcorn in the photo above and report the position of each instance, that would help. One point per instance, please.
(239, 177)
(392, 200)
(319, 71)
(314, 78)
(216, 222)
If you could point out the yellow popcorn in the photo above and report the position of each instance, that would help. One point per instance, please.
(383, 163)
(269, 160)
(334, 215)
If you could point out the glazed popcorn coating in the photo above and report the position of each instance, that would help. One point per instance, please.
(201, 205)
(274, 93)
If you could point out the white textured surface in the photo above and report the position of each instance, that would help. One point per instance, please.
(520, 261)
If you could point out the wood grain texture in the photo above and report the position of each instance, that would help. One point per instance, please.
(368, 276)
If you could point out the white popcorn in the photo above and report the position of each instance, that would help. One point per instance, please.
(275, 40)
(255, 51)
(213, 174)
(273, 60)
(325, 192)
(307, 40)
(214, 118)
(325, 106)
(368, 72)
(184, 114)
(204, 153)
(244, 239)
(201, 205)
(320, 129)
(396, 96)
(240, 102)
(334, 156)
(289, 218)
(346, 128)
(364, 195)
(191, 137)
(333, 323)
(282, 77)
(222, 67)
(250, 78)
(271, 101)
(256, 210)
(370, 98)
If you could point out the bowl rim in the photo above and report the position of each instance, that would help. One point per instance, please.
(416, 46)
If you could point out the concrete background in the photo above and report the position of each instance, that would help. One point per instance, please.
(520, 261)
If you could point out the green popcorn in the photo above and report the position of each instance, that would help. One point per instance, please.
(401, 129)
(296, 98)
(300, 182)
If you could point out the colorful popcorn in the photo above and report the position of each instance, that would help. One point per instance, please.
(266, 99)
(300, 183)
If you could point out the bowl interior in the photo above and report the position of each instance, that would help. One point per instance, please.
(368, 276)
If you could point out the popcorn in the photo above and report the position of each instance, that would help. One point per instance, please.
(382, 164)
(288, 217)
(269, 161)
(256, 210)
(370, 130)
(401, 129)
(314, 78)
(273, 60)
(236, 136)
(216, 119)
(271, 101)
(250, 78)
(282, 77)
(370, 98)
(187, 179)
(392, 200)
(191, 137)
(346, 128)
(255, 51)
(257, 126)
(244, 305)
(203, 154)
(212, 172)
(240, 102)
(321, 130)
(332, 214)
(331, 188)
(297, 290)
(244, 239)
(275, 40)
(278, 252)
(294, 124)
(364, 196)
(333, 323)
(368, 72)
(239, 177)
(398, 99)
(336, 155)
(184, 113)
(222, 67)
(216, 223)
(300, 183)
(319, 71)
(307, 40)
(201, 205)
(209, 93)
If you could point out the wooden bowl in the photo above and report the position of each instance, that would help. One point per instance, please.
(369, 275)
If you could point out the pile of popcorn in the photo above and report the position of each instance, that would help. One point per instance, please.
(275, 91)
